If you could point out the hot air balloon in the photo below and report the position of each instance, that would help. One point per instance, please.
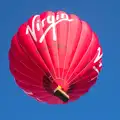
(55, 57)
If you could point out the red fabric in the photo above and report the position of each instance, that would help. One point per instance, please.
(53, 49)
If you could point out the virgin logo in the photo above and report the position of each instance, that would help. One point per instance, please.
(51, 20)
(97, 59)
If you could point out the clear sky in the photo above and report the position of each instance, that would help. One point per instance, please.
(103, 100)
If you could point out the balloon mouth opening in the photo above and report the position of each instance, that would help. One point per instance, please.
(58, 92)
(53, 88)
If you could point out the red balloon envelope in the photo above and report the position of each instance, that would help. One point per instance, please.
(55, 57)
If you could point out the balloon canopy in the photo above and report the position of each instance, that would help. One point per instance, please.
(55, 57)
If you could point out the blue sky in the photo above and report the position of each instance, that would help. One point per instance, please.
(103, 100)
